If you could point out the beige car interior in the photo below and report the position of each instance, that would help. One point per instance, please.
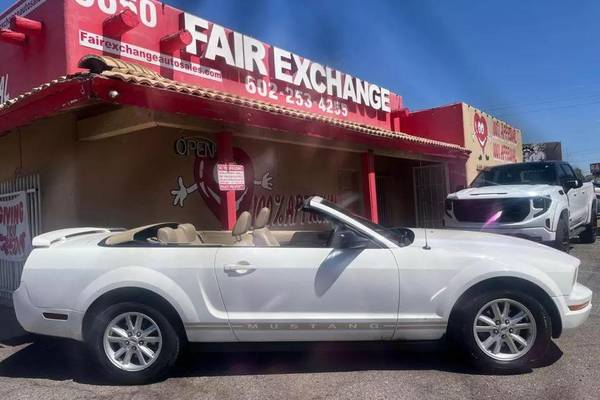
(183, 234)
(242, 234)
(261, 235)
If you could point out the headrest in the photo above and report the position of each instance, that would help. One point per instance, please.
(262, 219)
(166, 235)
(242, 225)
(189, 231)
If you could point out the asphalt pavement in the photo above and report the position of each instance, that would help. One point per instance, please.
(39, 368)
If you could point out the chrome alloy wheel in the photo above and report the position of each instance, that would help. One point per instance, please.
(132, 341)
(504, 329)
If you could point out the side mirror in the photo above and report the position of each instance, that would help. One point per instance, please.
(572, 184)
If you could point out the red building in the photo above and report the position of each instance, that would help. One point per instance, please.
(124, 113)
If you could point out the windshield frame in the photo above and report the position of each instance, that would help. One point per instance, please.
(378, 232)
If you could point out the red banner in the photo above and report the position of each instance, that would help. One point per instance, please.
(15, 236)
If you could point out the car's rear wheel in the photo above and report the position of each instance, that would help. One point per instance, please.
(133, 343)
(503, 330)
(591, 229)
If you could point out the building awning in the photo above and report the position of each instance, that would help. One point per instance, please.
(111, 80)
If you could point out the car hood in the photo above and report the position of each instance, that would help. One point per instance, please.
(502, 250)
(502, 191)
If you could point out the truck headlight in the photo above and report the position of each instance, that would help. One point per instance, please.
(540, 205)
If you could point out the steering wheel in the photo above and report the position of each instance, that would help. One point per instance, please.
(337, 228)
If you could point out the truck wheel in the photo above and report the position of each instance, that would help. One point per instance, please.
(591, 229)
(562, 240)
(133, 343)
(504, 330)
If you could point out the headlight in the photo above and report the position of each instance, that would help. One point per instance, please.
(540, 205)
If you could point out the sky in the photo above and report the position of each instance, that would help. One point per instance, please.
(534, 65)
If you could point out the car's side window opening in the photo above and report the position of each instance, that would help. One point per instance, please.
(325, 233)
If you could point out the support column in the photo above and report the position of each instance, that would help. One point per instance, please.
(224, 156)
(369, 187)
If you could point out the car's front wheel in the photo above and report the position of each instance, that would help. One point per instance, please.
(133, 343)
(591, 229)
(562, 240)
(504, 330)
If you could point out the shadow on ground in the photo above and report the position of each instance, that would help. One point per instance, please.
(55, 359)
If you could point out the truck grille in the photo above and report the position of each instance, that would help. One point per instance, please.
(482, 210)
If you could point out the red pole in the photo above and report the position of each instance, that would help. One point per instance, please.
(175, 41)
(8, 36)
(369, 187)
(225, 155)
(18, 23)
(120, 23)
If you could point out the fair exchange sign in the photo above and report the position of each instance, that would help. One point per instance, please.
(15, 235)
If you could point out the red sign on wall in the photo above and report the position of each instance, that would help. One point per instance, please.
(230, 177)
(186, 48)
(15, 236)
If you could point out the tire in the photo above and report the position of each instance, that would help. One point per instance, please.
(591, 229)
(162, 341)
(562, 240)
(464, 331)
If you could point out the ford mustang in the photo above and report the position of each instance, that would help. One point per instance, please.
(136, 296)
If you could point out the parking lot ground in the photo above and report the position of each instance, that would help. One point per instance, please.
(58, 369)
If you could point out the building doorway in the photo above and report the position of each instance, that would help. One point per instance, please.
(431, 189)
(410, 192)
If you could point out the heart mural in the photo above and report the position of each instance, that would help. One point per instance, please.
(205, 175)
(480, 129)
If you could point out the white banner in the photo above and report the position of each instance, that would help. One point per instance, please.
(15, 235)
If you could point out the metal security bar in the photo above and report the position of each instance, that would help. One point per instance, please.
(10, 272)
(431, 189)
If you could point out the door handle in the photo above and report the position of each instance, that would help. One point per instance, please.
(240, 268)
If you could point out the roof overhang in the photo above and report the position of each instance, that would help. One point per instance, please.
(62, 94)
(115, 84)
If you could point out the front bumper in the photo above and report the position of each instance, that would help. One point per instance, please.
(32, 318)
(576, 307)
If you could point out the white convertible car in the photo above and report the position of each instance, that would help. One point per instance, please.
(136, 296)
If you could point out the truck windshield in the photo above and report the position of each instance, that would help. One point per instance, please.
(517, 174)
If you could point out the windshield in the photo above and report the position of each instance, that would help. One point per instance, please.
(517, 174)
(398, 236)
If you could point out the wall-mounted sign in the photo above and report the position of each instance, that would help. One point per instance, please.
(542, 151)
(491, 141)
(230, 177)
(15, 235)
(216, 58)
(595, 169)
(195, 146)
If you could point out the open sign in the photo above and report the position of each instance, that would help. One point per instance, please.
(195, 146)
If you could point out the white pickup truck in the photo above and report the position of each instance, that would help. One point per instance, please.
(541, 201)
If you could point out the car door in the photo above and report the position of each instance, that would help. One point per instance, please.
(577, 199)
(314, 292)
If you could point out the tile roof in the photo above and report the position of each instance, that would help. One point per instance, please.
(132, 73)
(43, 86)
